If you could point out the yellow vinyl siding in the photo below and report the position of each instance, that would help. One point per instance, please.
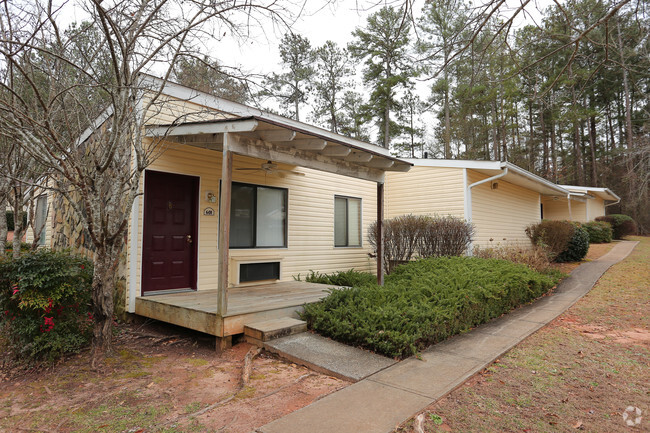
(167, 110)
(310, 216)
(501, 215)
(595, 208)
(425, 191)
(556, 209)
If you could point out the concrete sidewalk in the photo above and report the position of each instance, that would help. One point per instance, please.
(384, 400)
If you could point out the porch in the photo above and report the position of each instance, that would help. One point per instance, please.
(198, 309)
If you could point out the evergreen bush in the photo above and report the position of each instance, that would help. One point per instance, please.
(599, 232)
(577, 247)
(424, 302)
(622, 225)
(349, 278)
(45, 301)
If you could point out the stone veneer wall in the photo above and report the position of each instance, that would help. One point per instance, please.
(68, 233)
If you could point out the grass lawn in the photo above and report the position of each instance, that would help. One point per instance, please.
(580, 373)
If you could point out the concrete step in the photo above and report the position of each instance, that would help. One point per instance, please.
(274, 328)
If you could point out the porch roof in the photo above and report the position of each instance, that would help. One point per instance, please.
(591, 191)
(286, 141)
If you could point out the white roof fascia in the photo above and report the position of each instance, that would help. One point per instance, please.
(604, 193)
(454, 163)
(99, 121)
(527, 174)
(214, 102)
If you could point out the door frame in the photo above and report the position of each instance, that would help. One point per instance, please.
(196, 181)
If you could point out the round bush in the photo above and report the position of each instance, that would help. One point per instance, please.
(599, 232)
(45, 303)
(623, 225)
(577, 248)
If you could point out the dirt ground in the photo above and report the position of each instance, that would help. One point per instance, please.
(162, 379)
(582, 372)
(595, 251)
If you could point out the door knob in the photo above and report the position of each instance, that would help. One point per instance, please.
(189, 239)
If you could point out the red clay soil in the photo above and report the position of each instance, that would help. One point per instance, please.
(158, 383)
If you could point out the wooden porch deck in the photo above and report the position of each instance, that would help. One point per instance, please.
(198, 310)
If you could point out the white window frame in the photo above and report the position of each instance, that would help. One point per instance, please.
(347, 228)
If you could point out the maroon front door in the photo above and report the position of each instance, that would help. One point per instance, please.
(169, 234)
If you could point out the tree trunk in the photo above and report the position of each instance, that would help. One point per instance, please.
(3, 225)
(553, 152)
(531, 146)
(626, 90)
(19, 230)
(592, 146)
(542, 124)
(447, 116)
(103, 286)
(387, 111)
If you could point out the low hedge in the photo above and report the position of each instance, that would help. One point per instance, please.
(424, 302)
(600, 232)
(349, 278)
(622, 225)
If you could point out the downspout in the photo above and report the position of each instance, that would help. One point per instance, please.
(468, 199)
(568, 199)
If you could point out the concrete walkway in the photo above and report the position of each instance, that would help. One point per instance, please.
(384, 400)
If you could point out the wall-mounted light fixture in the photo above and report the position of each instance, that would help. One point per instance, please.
(210, 197)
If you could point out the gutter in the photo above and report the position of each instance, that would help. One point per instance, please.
(468, 198)
(618, 200)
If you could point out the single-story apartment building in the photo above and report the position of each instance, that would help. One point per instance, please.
(499, 198)
(582, 203)
(239, 204)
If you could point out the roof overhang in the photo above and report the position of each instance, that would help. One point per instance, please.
(516, 175)
(591, 192)
(285, 141)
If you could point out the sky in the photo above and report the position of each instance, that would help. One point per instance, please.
(319, 21)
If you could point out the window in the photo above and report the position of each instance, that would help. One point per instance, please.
(258, 216)
(347, 222)
(40, 215)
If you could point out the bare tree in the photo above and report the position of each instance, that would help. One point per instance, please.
(77, 102)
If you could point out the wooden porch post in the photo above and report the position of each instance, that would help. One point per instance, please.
(224, 227)
(380, 230)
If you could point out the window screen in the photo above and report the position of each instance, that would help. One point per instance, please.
(258, 217)
(347, 222)
(40, 216)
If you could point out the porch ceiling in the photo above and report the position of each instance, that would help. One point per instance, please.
(289, 143)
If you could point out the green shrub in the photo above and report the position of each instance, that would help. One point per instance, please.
(554, 236)
(45, 303)
(622, 225)
(578, 246)
(599, 232)
(407, 237)
(424, 302)
(349, 278)
(24, 247)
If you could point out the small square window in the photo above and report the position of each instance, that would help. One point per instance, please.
(347, 222)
